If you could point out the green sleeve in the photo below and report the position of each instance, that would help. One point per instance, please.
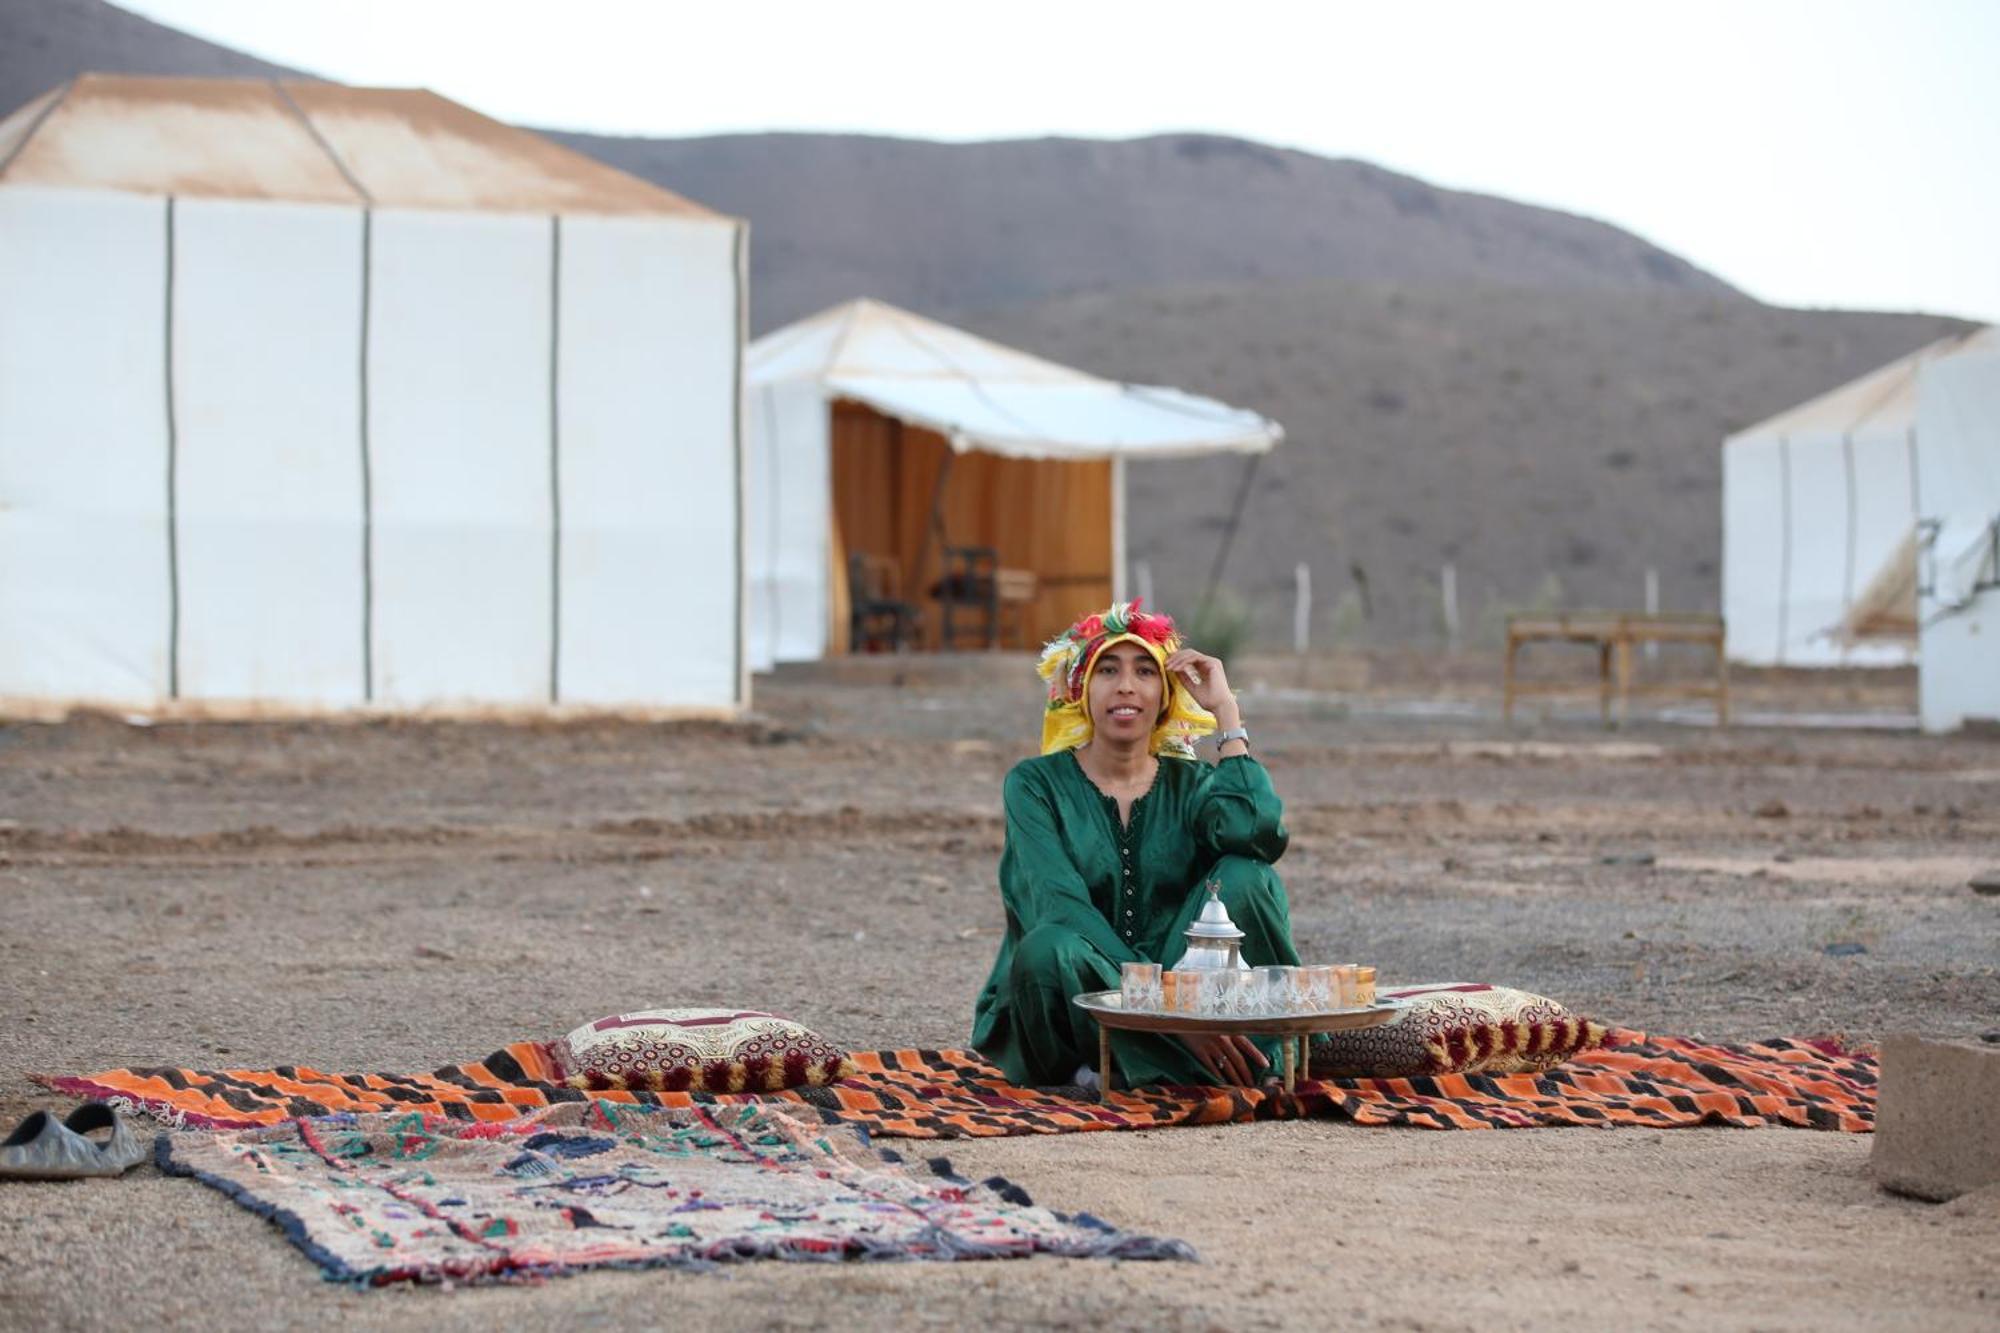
(1038, 884)
(1238, 813)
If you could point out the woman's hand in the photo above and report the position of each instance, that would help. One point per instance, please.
(1232, 1059)
(1207, 683)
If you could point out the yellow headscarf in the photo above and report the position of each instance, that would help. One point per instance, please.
(1072, 655)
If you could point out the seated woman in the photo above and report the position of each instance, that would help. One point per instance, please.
(1113, 836)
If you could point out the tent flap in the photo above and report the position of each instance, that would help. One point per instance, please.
(1066, 422)
(992, 399)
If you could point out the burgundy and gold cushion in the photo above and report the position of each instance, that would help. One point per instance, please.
(698, 1050)
(1458, 1028)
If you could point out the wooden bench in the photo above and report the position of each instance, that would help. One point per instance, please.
(1615, 634)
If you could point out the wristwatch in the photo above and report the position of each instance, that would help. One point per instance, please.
(1223, 738)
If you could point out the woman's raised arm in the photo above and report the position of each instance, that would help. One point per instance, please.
(1239, 814)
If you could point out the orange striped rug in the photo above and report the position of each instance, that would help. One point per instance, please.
(1659, 1082)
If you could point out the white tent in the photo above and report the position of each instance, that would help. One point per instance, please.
(1818, 504)
(1958, 478)
(314, 397)
(854, 416)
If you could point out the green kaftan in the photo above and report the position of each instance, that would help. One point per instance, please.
(1084, 895)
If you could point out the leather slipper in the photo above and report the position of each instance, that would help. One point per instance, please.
(43, 1148)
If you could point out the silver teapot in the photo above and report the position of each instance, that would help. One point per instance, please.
(1213, 941)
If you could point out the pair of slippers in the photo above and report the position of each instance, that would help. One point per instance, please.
(44, 1148)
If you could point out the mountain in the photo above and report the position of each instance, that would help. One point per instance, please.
(1551, 444)
(964, 226)
(1532, 396)
(47, 42)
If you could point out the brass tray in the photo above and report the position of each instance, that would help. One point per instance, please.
(1108, 1008)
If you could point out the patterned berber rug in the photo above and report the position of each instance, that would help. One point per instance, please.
(384, 1198)
(1652, 1081)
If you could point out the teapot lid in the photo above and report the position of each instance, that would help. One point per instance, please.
(1213, 923)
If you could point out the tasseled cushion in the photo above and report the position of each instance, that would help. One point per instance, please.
(697, 1050)
(1458, 1028)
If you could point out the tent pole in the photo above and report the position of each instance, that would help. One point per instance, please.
(1229, 532)
(934, 531)
(1119, 591)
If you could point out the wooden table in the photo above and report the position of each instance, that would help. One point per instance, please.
(1108, 1008)
(1615, 634)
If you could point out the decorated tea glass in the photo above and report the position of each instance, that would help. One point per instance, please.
(1139, 987)
(1274, 989)
(1217, 991)
(1244, 997)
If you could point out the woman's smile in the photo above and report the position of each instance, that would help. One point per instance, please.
(1126, 691)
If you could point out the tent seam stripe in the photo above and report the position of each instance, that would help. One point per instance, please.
(555, 457)
(62, 95)
(353, 182)
(772, 554)
(1785, 547)
(367, 463)
(173, 466)
(740, 248)
(1853, 511)
(840, 339)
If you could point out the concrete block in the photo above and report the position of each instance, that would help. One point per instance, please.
(1937, 1118)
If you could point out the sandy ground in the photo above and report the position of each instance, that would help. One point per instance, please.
(396, 896)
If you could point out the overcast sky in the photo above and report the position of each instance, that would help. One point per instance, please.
(1812, 152)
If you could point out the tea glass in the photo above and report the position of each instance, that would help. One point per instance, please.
(1246, 995)
(1318, 989)
(1274, 989)
(1139, 987)
(1216, 991)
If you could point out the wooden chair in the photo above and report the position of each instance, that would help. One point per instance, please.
(1015, 590)
(968, 597)
(878, 619)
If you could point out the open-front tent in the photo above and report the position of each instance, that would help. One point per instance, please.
(315, 397)
(1821, 506)
(878, 432)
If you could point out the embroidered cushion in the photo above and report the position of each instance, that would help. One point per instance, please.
(1458, 1028)
(697, 1050)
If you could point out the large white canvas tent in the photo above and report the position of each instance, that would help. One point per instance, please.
(1820, 515)
(874, 430)
(1958, 478)
(314, 397)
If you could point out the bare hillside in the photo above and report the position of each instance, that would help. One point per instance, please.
(942, 226)
(47, 42)
(1521, 433)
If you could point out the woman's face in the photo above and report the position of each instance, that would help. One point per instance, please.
(1126, 694)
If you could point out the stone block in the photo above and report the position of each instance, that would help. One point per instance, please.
(1937, 1118)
